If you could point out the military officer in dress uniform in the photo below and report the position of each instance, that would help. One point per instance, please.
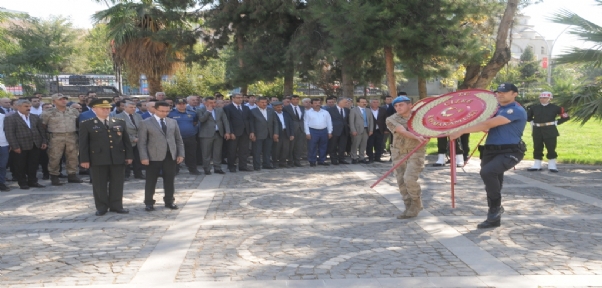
(61, 125)
(105, 148)
(544, 119)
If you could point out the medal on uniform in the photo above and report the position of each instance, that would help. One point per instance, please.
(510, 111)
(95, 121)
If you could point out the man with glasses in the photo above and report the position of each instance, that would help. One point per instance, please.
(61, 124)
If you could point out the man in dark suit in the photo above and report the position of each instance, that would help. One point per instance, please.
(161, 149)
(339, 115)
(376, 141)
(26, 136)
(133, 121)
(263, 133)
(5, 106)
(213, 129)
(297, 146)
(281, 147)
(105, 149)
(239, 117)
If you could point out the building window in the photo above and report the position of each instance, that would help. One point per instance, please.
(543, 50)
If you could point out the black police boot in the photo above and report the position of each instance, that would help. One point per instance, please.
(494, 215)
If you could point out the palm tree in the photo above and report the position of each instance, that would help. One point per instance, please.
(586, 103)
(145, 39)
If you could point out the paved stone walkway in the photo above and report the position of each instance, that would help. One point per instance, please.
(310, 227)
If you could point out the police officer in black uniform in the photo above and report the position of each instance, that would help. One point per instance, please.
(544, 119)
(105, 148)
(503, 148)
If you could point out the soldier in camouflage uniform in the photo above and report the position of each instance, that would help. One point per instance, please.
(404, 142)
(60, 122)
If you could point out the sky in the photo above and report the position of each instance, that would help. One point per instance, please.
(80, 11)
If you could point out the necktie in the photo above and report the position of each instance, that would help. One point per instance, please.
(239, 109)
(107, 123)
(296, 114)
(163, 126)
(341, 111)
(133, 122)
(365, 118)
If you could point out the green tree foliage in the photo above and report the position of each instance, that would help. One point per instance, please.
(197, 79)
(97, 50)
(260, 33)
(586, 103)
(42, 47)
(150, 36)
(529, 68)
(587, 31)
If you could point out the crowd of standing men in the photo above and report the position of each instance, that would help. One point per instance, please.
(111, 139)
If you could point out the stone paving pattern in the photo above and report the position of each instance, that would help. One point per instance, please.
(338, 228)
(318, 252)
(550, 247)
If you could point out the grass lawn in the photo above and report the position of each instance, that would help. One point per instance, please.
(576, 144)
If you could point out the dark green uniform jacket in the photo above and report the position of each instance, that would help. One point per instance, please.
(545, 114)
(101, 146)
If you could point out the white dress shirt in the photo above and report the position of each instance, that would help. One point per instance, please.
(296, 108)
(375, 113)
(159, 120)
(264, 112)
(36, 111)
(251, 106)
(317, 120)
(3, 141)
(281, 117)
(341, 111)
(213, 114)
(26, 119)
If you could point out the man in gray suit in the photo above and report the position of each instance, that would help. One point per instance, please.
(361, 127)
(264, 129)
(161, 149)
(133, 121)
(297, 148)
(213, 130)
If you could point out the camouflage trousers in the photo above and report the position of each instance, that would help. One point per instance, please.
(59, 144)
(408, 173)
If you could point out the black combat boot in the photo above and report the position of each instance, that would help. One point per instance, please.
(494, 215)
(54, 180)
(72, 178)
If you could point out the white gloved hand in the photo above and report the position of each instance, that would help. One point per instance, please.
(532, 123)
(556, 123)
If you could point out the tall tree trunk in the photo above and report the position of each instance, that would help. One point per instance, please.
(347, 76)
(240, 41)
(289, 75)
(471, 76)
(422, 88)
(154, 84)
(500, 56)
(390, 67)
